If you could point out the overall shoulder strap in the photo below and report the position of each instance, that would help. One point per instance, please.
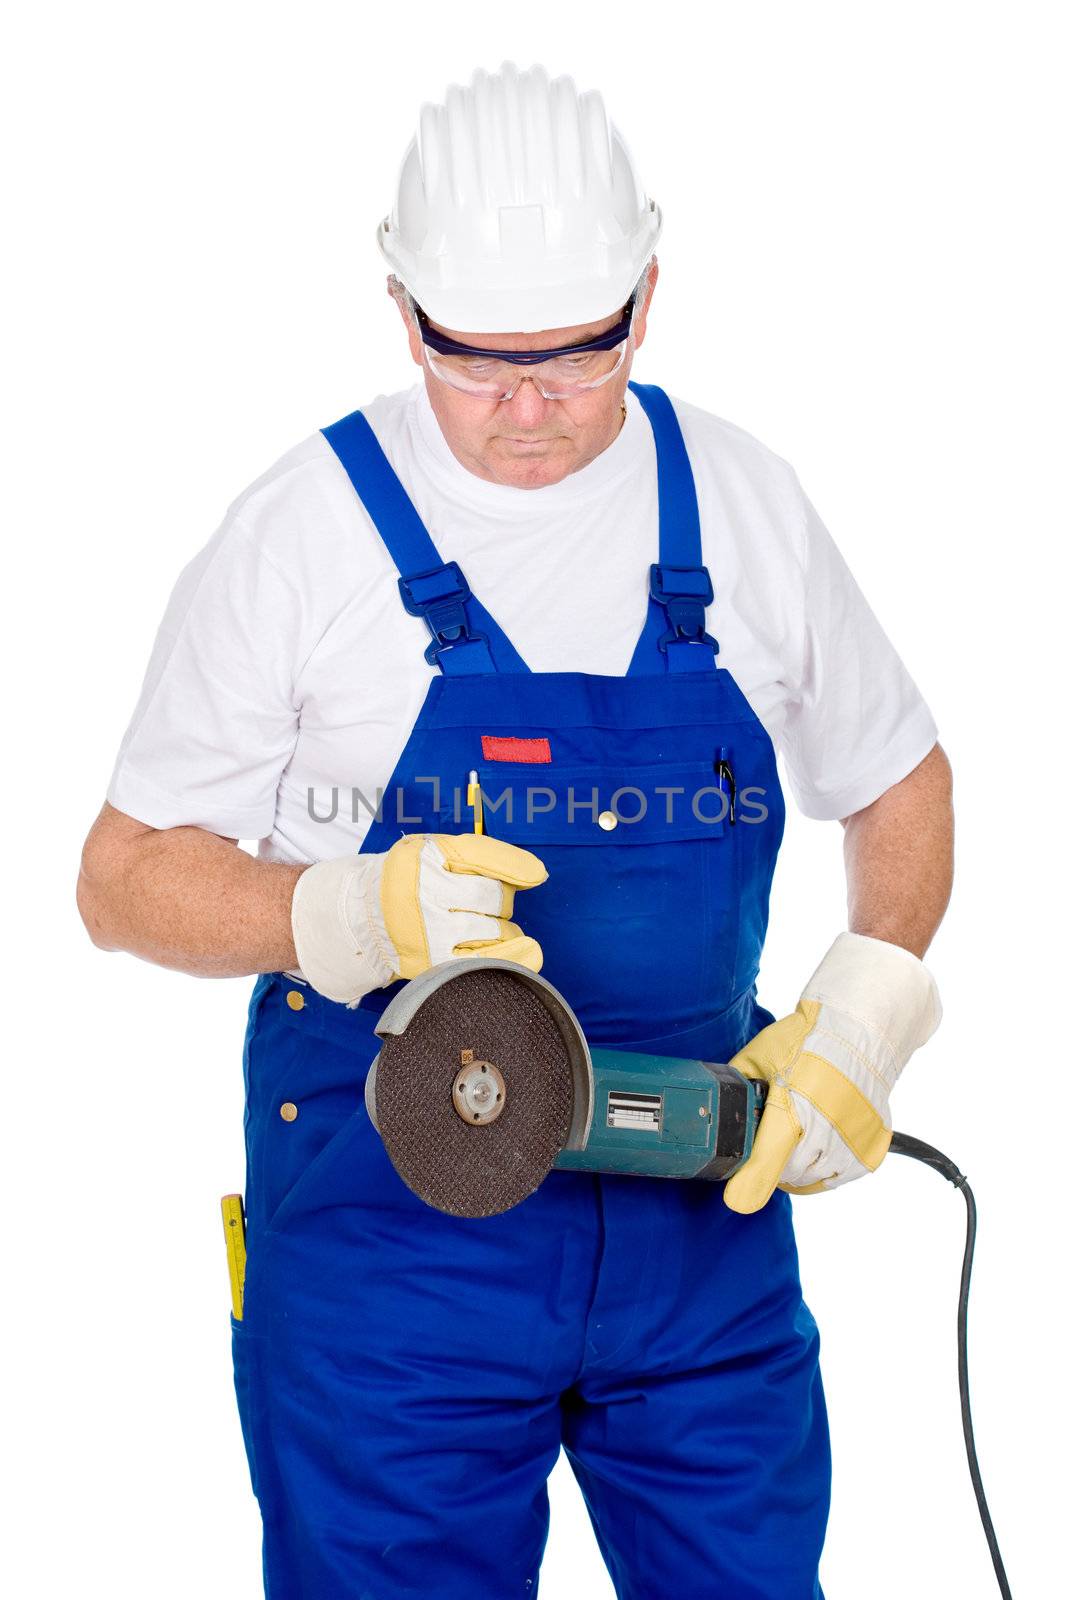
(674, 638)
(465, 638)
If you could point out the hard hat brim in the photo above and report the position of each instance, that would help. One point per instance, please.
(585, 293)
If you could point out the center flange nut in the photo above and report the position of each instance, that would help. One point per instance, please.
(478, 1092)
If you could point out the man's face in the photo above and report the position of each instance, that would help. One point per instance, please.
(527, 442)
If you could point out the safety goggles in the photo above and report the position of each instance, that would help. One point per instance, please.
(573, 369)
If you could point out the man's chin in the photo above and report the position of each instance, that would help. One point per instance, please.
(532, 464)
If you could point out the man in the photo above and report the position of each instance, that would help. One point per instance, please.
(406, 1377)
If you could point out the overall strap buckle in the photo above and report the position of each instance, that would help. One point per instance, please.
(439, 596)
(685, 594)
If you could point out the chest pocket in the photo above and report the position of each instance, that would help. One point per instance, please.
(599, 808)
(639, 915)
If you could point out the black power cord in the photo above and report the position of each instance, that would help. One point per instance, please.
(903, 1145)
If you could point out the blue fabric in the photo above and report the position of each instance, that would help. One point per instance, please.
(406, 1379)
(680, 548)
(389, 507)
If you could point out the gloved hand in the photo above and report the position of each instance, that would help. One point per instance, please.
(362, 921)
(831, 1065)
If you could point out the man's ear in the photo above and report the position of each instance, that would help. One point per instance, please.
(642, 316)
(414, 339)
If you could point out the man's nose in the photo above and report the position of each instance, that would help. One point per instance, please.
(528, 406)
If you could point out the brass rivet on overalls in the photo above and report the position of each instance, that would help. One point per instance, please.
(288, 1111)
(607, 820)
(295, 1000)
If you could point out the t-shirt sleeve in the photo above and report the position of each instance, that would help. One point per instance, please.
(216, 722)
(857, 724)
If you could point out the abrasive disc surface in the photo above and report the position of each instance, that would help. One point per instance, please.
(475, 1170)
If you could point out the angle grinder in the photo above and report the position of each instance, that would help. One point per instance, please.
(485, 1082)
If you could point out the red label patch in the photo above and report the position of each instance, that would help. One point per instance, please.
(505, 749)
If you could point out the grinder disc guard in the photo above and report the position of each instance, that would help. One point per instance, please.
(469, 1012)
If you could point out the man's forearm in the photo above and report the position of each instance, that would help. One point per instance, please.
(185, 898)
(898, 858)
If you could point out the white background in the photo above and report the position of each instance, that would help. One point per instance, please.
(862, 265)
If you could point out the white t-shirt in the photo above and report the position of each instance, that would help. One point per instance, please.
(286, 665)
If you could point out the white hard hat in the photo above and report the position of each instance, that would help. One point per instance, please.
(518, 208)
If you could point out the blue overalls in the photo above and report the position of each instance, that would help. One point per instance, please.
(405, 1377)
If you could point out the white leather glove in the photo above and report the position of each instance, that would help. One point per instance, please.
(831, 1065)
(360, 922)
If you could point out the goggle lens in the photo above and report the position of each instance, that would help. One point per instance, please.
(557, 378)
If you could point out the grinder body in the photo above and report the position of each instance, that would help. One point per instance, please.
(659, 1116)
(485, 1081)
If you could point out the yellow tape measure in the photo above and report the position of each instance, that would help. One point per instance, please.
(233, 1221)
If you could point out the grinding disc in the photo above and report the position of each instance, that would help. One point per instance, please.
(475, 1169)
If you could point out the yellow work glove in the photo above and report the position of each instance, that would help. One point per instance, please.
(831, 1066)
(360, 922)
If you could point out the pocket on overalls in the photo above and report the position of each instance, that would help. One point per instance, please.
(638, 918)
(311, 1143)
(244, 1345)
